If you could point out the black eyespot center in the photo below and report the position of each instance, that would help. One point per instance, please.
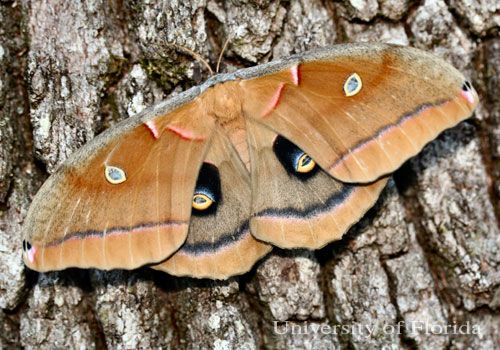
(26, 245)
(467, 86)
(292, 158)
(207, 184)
(306, 160)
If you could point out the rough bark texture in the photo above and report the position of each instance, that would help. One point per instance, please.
(428, 252)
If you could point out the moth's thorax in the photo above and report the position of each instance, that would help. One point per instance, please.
(225, 105)
(224, 102)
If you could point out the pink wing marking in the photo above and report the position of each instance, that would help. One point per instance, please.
(469, 96)
(143, 228)
(295, 75)
(152, 128)
(31, 254)
(184, 134)
(386, 131)
(274, 100)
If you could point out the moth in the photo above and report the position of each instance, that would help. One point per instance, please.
(290, 154)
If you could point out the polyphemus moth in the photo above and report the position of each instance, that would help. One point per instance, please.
(290, 153)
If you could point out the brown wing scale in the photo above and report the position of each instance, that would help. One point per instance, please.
(81, 219)
(407, 98)
(301, 210)
(219, 244)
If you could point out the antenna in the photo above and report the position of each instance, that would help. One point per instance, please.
(222, 53)
(200, 59)
(195, 55)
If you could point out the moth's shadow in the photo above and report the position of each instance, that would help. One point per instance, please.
(92, 280)
(445, 146)
(166, 282)
(333, 249)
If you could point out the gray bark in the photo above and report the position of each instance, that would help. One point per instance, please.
(428, 251)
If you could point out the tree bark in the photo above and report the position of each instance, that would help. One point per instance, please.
(426, 256)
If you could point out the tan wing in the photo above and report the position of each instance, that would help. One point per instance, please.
(294, 209)
(361, 113)
(219, 243)
(124, 200)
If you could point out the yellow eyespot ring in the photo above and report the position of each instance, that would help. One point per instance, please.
(305, 164)
(114, 175)
(352, 85)
(201, 201)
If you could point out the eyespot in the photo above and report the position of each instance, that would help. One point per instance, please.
(352, 85)
(293, 159)
(305, 164)
(468, 93)
(26, 245)
(29, 250)
(207, 193)
(201, 201)
(114, 175)
(467, 86)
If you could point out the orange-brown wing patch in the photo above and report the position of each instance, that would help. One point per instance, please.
(317, 224)
(122, 203)
(406, 97)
